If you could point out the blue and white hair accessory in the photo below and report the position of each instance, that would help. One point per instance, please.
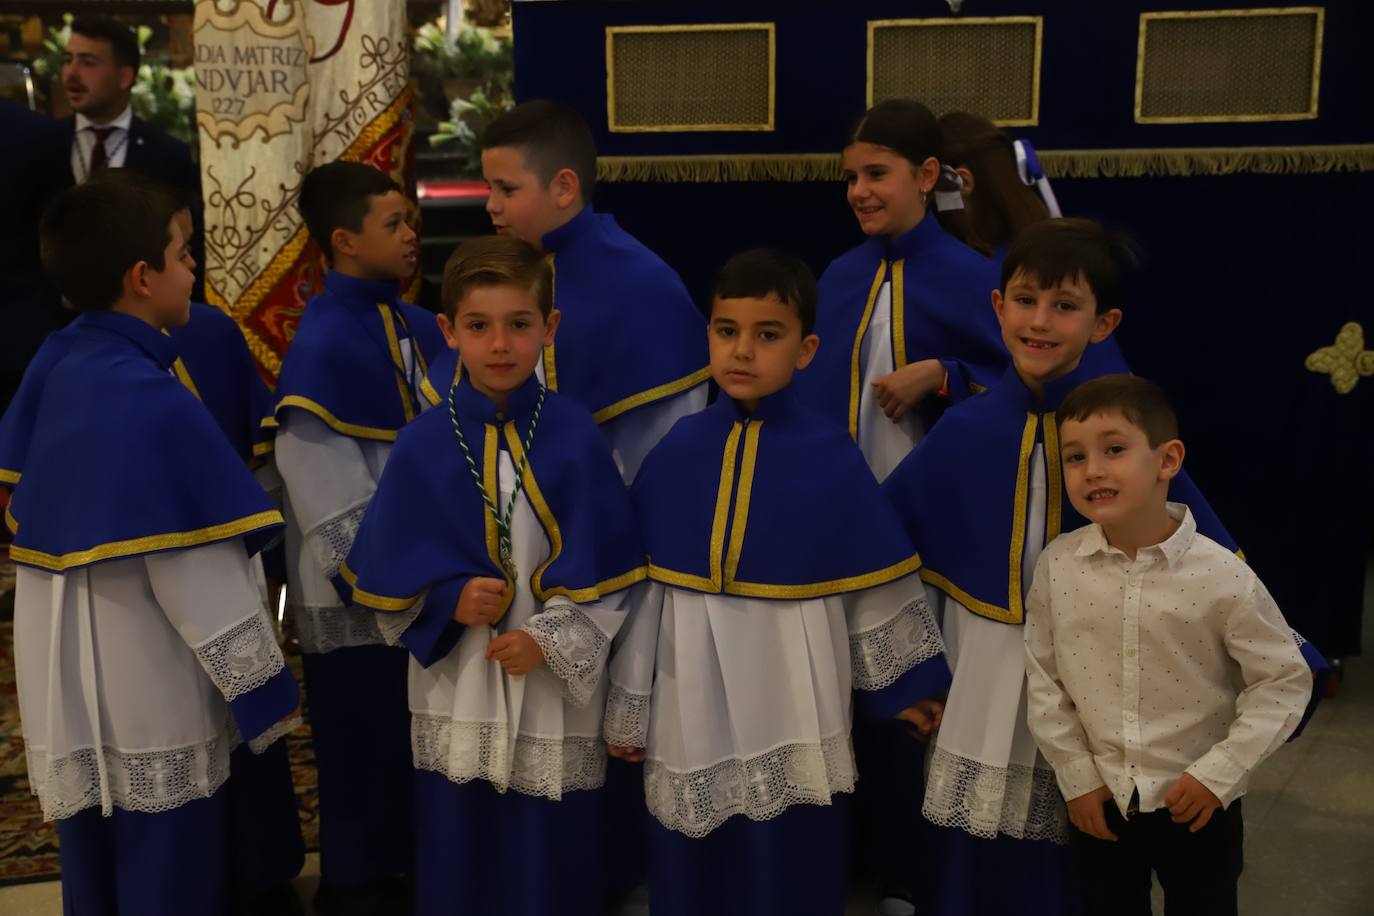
(948, 190)
(1033, 175)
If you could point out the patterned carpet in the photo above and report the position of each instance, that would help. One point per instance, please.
(28, 845)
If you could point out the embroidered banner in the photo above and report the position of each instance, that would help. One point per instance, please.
(281, 87)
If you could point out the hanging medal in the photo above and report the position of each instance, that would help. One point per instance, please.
(503, 520)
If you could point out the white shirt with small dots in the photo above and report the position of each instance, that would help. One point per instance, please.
(1141, 670)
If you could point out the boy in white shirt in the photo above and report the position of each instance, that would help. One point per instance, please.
(1161, 672)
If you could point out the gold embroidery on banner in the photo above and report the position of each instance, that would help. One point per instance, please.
(149, 544)
(1345, 361)
(855, 375)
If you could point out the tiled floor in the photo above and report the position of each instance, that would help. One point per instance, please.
(1309, 832)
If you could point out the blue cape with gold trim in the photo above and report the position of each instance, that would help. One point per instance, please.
(427, 523)
(964, 493)
(213, 363)
(120, 457)
(941, 309)
(774, 504)
(629, 335)
(216, 365)
(345, 361)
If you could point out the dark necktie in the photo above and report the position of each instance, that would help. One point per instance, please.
(99, 158)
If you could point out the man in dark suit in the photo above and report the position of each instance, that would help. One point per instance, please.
(98, 73)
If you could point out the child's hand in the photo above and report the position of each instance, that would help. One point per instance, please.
(1189, 799)
(632, 754)
(900, 391)
(480, 603)
(1087, 814)
(924, 718)
(517, 652)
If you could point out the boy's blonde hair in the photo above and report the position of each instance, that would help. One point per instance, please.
(496, 260)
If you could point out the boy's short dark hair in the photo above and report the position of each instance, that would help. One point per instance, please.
(92, 234)
(1143, 403)
(496, 260)
(552, 137)
(1060, 249)
(338, 195)
(123, 41)
(760, 271)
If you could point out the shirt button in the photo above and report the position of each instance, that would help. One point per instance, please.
(1130, 653)
(1130, 716)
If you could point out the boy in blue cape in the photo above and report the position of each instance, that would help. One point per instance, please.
(498, 548)
(144, 653)
(781, 581)
(213, 363)
(629, 347)
(981, 496)
(349, 382)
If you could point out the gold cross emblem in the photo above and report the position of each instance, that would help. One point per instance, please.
(1345, 360)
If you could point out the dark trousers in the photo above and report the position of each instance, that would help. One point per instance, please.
(1198, 871)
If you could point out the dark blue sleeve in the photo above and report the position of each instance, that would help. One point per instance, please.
(925, 680)
(434, 633)
(262, 707)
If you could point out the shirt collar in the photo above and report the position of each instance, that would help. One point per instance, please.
(1094, 541)
(123, 122)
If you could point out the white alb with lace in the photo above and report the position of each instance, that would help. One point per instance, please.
(123, 669)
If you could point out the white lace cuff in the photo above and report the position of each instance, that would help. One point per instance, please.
(332, 539)
(262, 742)
(1020, 801)
(543, 767)
(626, 723)
(147, 782)
(241, 658)
(882, 654)
(391, 625)
(761, 787)
(573, 649)
(324, 629)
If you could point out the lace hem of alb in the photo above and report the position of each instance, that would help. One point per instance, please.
(626, 723)
(331, 540)
(880, 655)
(543, 767)
(695, 802)
(573, 646)
(324, 629)
(242, 657)
(145, 782)
(1019, 801)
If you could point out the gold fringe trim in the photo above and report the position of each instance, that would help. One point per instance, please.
(1082, 163)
